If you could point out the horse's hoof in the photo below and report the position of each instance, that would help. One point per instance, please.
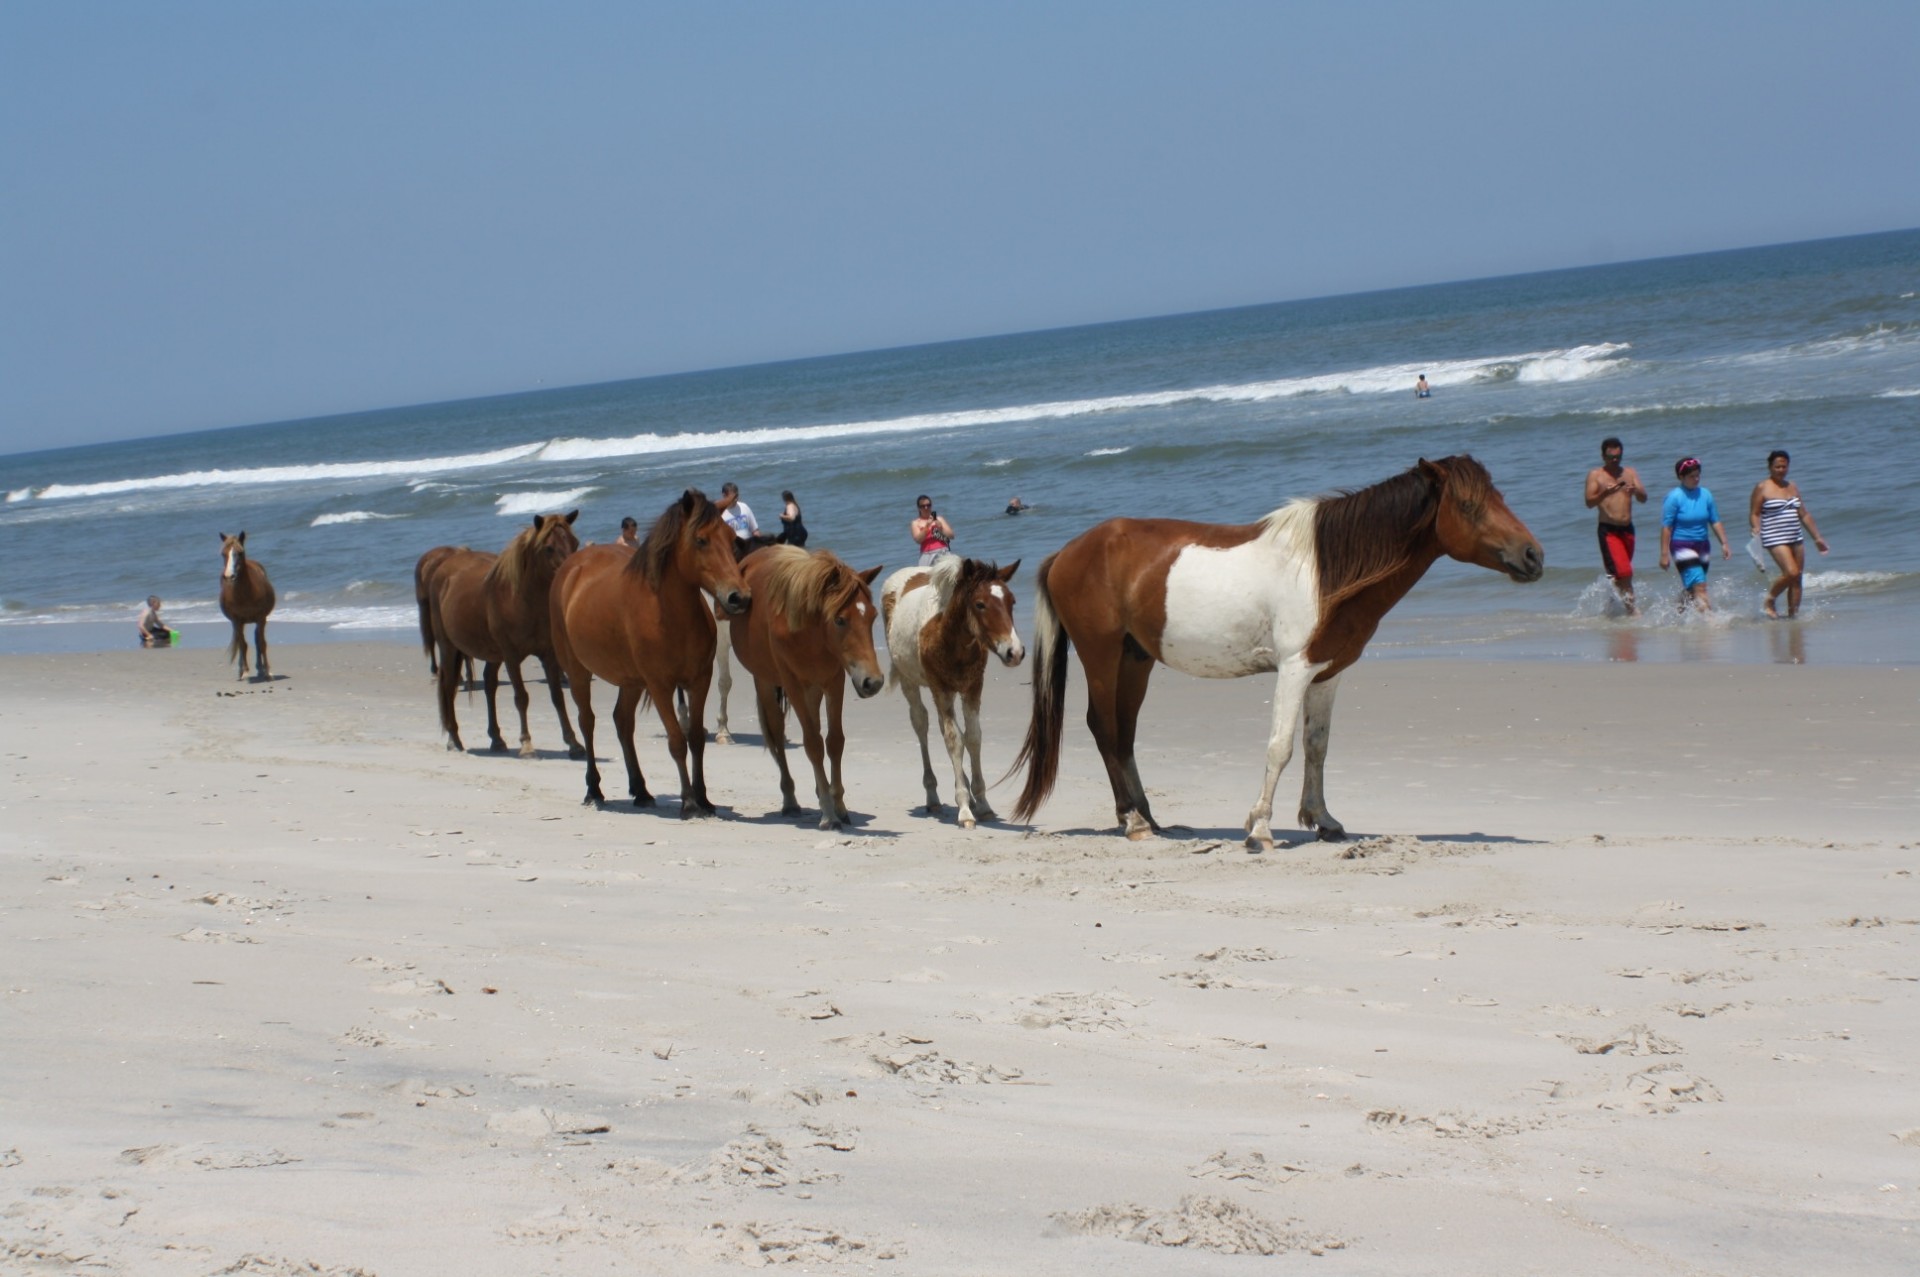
(594, 801)
(793, 809)
(644, 800)
(1257, 844)
(723, 738)
(576, 752)
(496, 747)
(934, 809)
(984, 813)
(1333, 832)
(526, 751)
(965, 822)
(454, 746)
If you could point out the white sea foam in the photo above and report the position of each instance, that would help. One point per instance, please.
(1574, 364)
(997, 462)
(316, 473)
(351, 516)
(1898, 392)
(519, 503)
(1825, 581)
(1108, 452)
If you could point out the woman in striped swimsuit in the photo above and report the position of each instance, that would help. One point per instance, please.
(1776, 513)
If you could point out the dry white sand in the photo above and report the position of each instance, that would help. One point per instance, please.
(1621, 973)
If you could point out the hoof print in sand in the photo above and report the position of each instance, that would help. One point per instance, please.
(1250, 1168)
(1203, 1223)
(757, 1245)
(1076, 1012)
(1454, 1126)
(274, 1266)
(1635, 1040)
(934, 1069)
(1663, 1089)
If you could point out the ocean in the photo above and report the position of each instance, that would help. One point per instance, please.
(1220, 416)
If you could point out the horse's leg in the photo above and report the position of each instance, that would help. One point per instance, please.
(550, 670)
(806, 708)
(917, 715)
(723, 669)
(447, 680)
(580, 682)
(695, 740)
(1102, 660)
(260, 669)
(623, 711)
(692, 786)
(1130, 692)
(495, 741)
(963, 795)
(836, 694)
(1289, 690)
(970, 737)
(520, 702)
(237, 650)
(1313, 797)
(773, 730)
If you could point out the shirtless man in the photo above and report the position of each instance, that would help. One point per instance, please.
(1612, 489)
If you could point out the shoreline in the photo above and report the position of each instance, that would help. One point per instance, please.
(1622, 965)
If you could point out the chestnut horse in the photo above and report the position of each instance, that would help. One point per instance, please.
(246, 596)
(493, 608)
(941, 623)
(811, 623)
(636, 619)
(1297, 594)
(423, 570)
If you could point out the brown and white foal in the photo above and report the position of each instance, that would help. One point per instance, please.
(941, 623)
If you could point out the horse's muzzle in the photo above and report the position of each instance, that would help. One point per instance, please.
(868, 684)
(736, 601)
(1528, 565)
(1011, 654)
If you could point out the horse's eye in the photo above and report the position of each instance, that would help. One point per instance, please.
(840, 621)
(701, 542)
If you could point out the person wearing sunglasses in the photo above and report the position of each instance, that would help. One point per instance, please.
(932, 533)
(1612, 489)
(1686, 517)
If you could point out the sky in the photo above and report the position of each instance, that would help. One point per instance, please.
(221, 212)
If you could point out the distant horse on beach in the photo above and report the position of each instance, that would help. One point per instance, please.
(636, 619)
(942, 621)
(808, 633)
(494, 608)
(246, 597)
(1298, 594)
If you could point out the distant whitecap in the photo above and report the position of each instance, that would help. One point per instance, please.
(517, 504)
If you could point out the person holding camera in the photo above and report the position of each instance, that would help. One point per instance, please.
(933, 534)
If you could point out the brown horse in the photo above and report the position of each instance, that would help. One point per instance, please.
(494, 609)
(246, 597)
(636, 619)
(1298, 593)
(941, 623)
(810, 623)
(422, 572)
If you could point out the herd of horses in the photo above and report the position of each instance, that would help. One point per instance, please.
(1297, 594)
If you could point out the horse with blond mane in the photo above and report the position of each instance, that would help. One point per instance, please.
(246, 597)
(1297, 594)
(636, 619)
(811, 623)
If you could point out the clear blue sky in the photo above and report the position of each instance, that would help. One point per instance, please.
(216, 212)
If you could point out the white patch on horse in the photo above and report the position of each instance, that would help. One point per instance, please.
(1239, 610)
(998, 591)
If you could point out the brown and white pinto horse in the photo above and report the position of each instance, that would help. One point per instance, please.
(246, 597)
(1298, 593)
(636, 619)
(493, 608)
(941, 623)
(808, 634)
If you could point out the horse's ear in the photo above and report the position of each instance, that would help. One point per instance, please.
(1436, 472)
(539, 521)
(222, 536)
(872, 572)
(1006, 573)
(572, 517)
(689, 500)
(242, 538)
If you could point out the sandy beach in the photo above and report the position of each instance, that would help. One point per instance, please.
(1620, 973)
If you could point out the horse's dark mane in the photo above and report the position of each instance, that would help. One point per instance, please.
(692, 510)
(1364, 535)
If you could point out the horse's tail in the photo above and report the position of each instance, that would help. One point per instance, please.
(237, 648)
(1040, 752)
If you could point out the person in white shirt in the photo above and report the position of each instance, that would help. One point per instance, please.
(737, 513)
